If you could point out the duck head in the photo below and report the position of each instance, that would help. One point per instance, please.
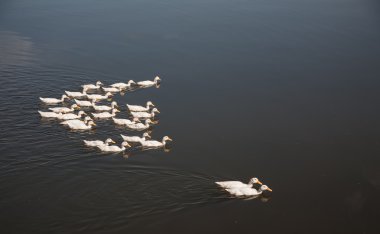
(266, 191)
(255, 182)
(98, 83)
(149, 104)
(155, 110)
(157, 79)
(147, 136)
(109, 140)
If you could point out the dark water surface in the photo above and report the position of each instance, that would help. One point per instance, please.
(285, 90)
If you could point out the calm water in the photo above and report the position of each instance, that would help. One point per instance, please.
(285, 90)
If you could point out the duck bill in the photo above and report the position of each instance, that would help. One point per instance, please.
(270, 190)
(259, 182)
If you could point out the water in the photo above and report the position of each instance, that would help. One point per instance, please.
(283, 90)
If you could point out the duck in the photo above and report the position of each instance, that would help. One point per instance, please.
(104, 115)
(71, 115)
(140, 126)
(97, 85)
(64, 109)
(155, 144)
(105, 108)
(84, 103)
(253, 182)
(98, 142)
(114, 148)
(111, 89)
(79, 125)
(248, 192)
(99, 97)
(144, 114)
(123, 85)
(140, 108)
(77, 94)
(77, 121)
(125, 121)
(148, 83)
(48, 114)
(136, 139)
(53, 100)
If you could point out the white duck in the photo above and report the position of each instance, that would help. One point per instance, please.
(53, 100)
(71, 115)
(98, 142)
(238, 184)
(64, 109)
(79, 125)
(111, 89)
(114, 148)
(105, 115)
(140, 126)
(84, 103)
(246, 191)
(125, 121)
(92, 86)
(123, 85)
(48, 114)
(155, 144)
(140, 108)
(77, 94)
(136, 139)
(148, 83)
(99, 97)
(105, 108)
(77, 121)
(145, 114)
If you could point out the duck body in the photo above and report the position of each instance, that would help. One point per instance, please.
(53, 101)
(136, 108)
(253, 182)
(123, 121)
(111, 89)
(79, 125)
(105, 108)
(135, 139)
(76, 94)
(121, 85)
(105, 115)
(139, 126)
(144, 114)
(84, 103)
(148, 83)
(98, 85)
(64, 109)
(98, 96)
(113, 148)
(71, 116)
(244, 191)
(95, 143)
(48, 114)
(155, 144)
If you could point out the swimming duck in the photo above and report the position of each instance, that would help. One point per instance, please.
(64, 109)
(135, 139)
(84, 103)
(49, 114)
(254, 182)
(155, 144)
(148, 83)
(123, 85)
(140, 108)
(111, 89)
(105, 108)
(114, 148)
(92, 86)
(140, 126)
(77, 121)
(125, 121)
(79, 125)
(247, 191)
(53, 100)
(99, 97)
(104, 115)
(145, 114)
(98, 142)
(71, 115)
(77, 94)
